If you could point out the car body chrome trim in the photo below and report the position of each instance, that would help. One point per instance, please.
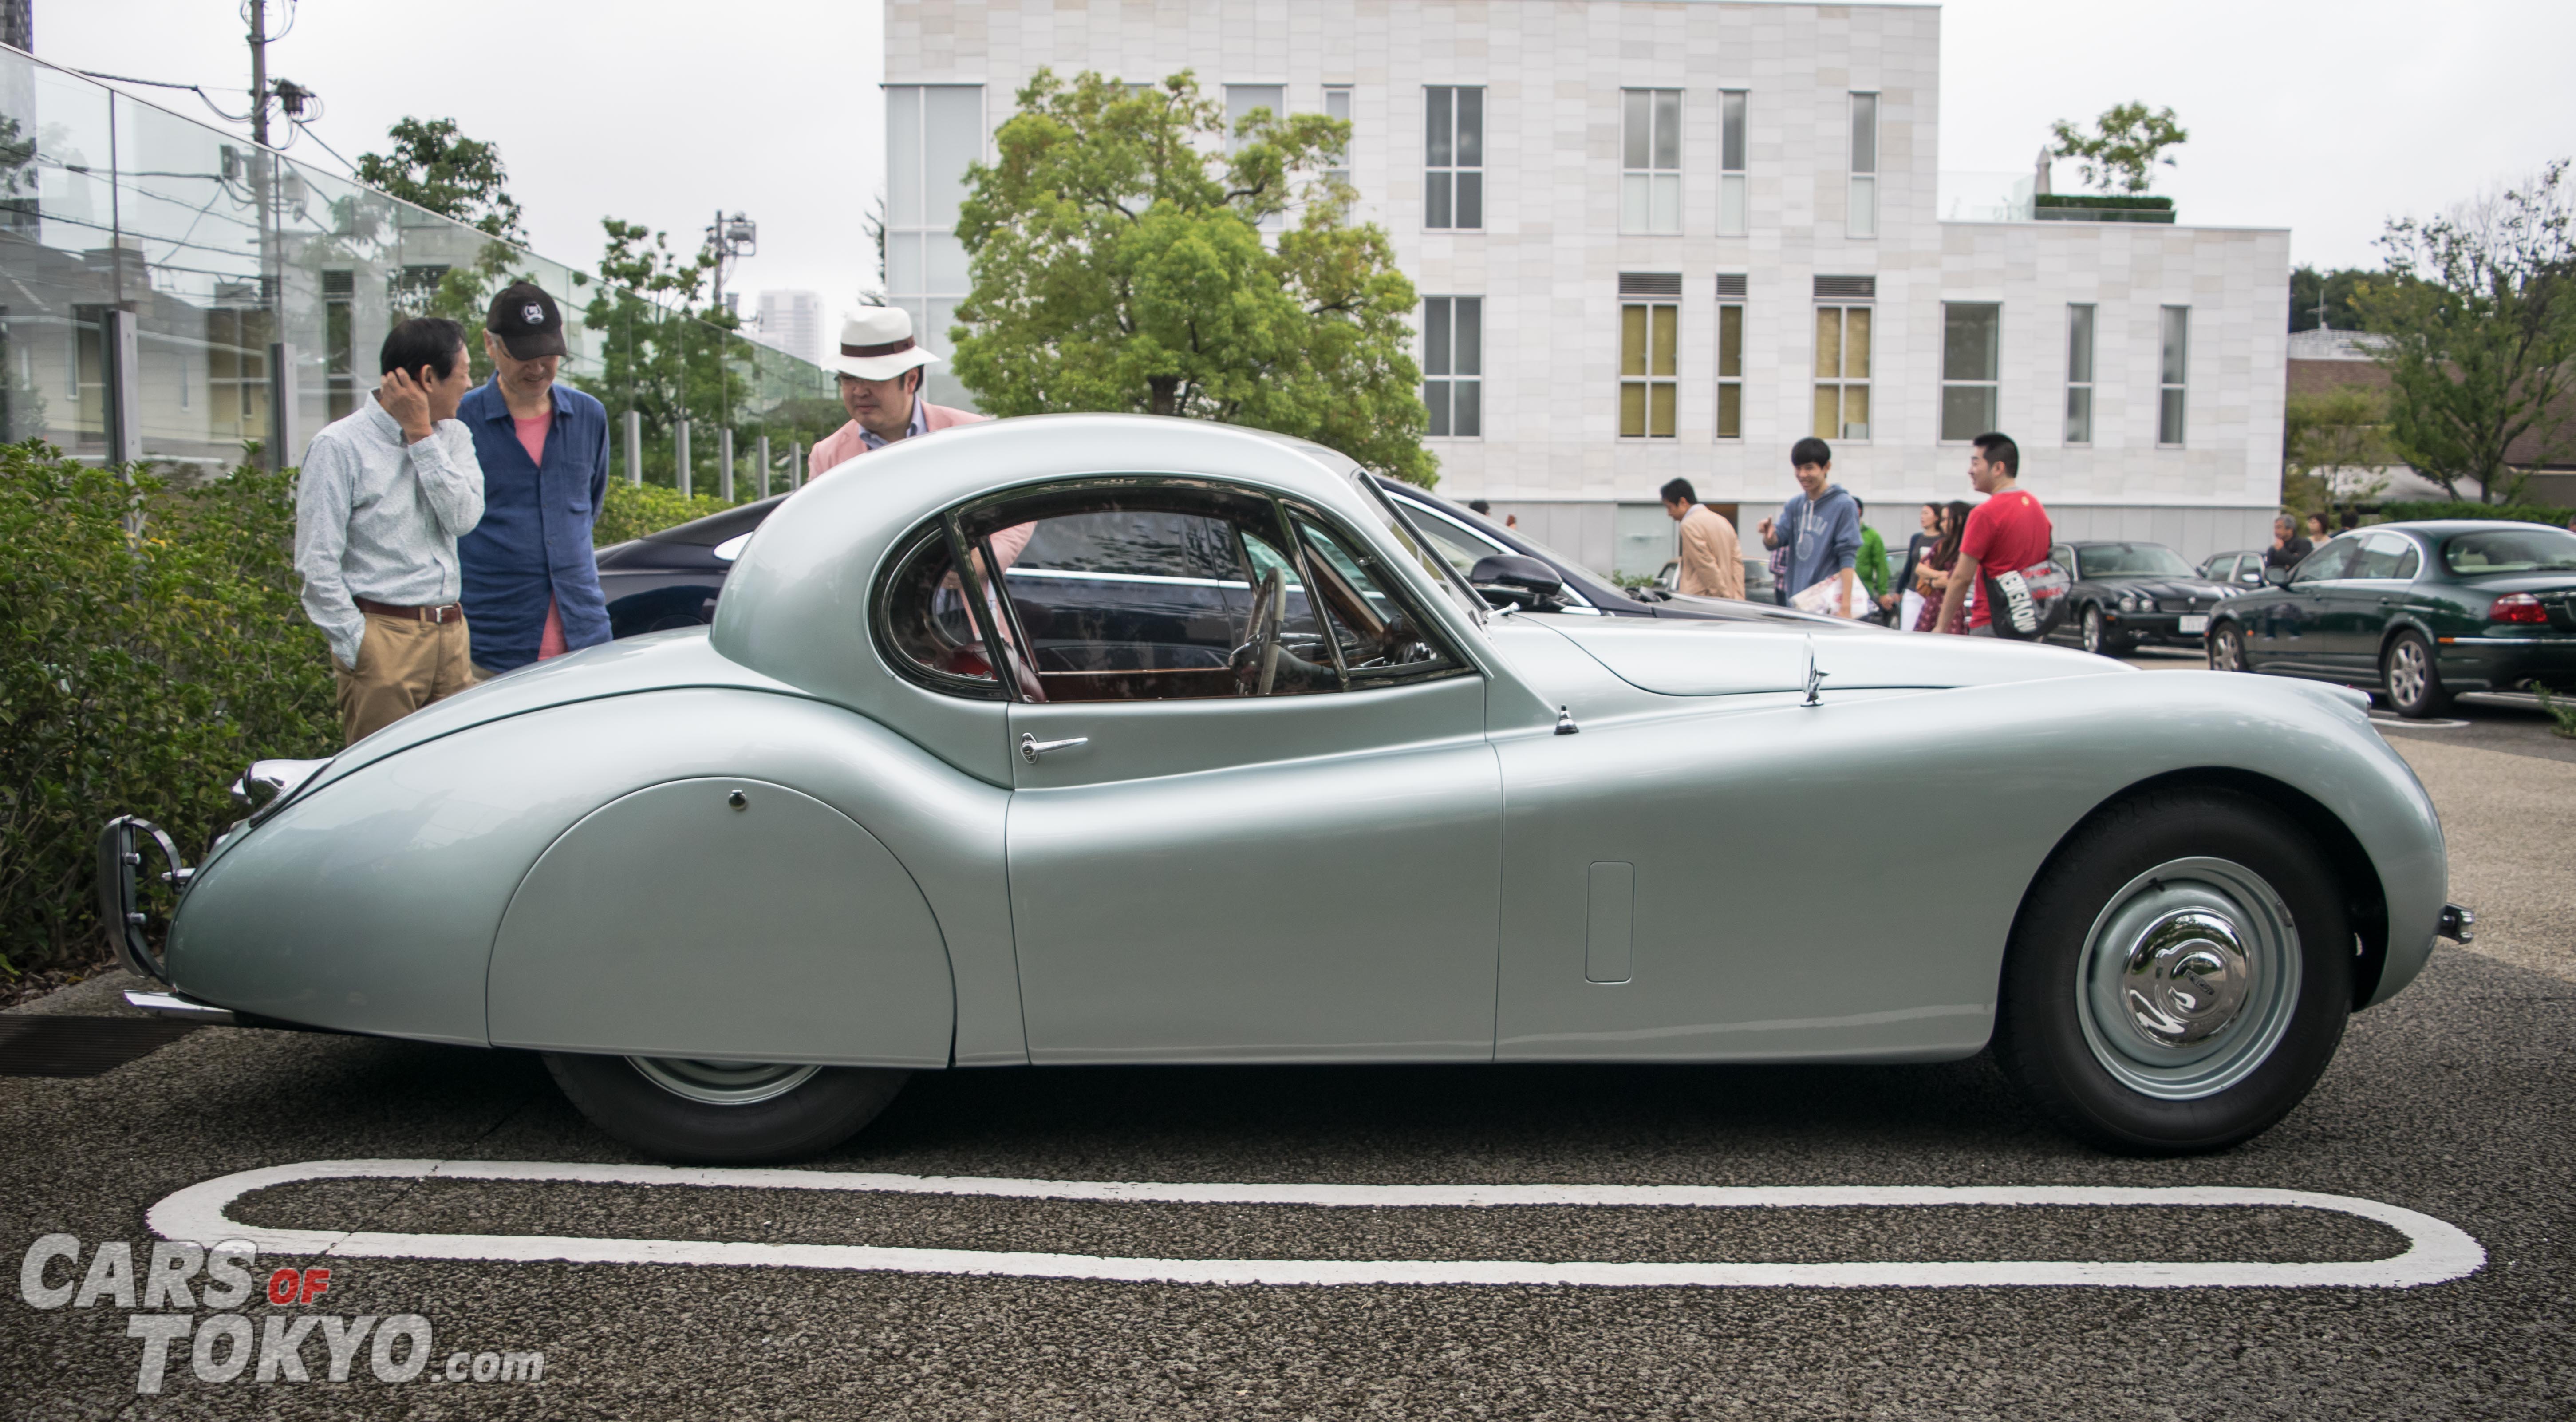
(2510, 641)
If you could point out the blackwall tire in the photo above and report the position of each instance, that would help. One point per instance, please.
(2227, 648)
(2412, 678)
(2179, 975)
(727, 1116)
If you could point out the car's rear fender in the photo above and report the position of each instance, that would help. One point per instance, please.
(373, 904)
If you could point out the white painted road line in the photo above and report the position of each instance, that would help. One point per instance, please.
(2436, 1250)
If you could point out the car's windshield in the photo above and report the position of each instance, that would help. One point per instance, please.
(1468, 519)
(2531, 549)
(2122, 560)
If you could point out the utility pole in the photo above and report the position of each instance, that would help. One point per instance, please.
(258, 71)
(731, 239)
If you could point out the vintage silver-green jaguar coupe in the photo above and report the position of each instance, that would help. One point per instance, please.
(1087, 739)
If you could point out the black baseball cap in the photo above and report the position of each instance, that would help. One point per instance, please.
(527, 321)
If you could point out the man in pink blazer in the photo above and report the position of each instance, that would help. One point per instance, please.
(881, 370)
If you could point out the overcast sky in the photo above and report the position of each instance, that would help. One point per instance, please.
(2323, 116)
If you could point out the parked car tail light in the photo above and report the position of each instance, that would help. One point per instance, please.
(2517, 607)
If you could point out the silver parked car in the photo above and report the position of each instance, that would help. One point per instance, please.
(1089, 739)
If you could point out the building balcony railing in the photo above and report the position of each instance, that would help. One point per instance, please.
(171, 292)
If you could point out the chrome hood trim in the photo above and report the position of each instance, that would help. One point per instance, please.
(1680, 658)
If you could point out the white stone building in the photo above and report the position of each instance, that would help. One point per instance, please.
(1670, 237)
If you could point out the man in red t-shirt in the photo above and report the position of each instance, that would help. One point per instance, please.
(2005, 534)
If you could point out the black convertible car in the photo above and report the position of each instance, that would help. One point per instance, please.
(2122, 594)
(670, 578)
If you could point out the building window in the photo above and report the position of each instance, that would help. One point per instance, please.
(1730, 355)
(1650, 162)
(1453, 158)
(1337, 105)
(1453, 365)
(2170, 379)
(1842, 372)
(1649, 353)
(1240, 101)
(1971, 350)
(1863, 218)
(2079, 374)
(933, 131)
(1733, 202)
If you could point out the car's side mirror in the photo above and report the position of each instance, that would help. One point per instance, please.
(2276, 575)
(1516, 578)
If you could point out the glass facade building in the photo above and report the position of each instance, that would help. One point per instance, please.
(170, 292)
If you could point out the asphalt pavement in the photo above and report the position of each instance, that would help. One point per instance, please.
(2452, 1101)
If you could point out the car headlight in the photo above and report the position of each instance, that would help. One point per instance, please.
(2128, 602)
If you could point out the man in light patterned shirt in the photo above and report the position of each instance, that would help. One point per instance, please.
(382, 498)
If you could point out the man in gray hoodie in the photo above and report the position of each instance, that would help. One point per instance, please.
(1820, 528)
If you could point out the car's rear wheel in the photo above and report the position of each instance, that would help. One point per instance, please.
(2227, 648)
(2179, 976)
(677, 1108)
(2414, 683)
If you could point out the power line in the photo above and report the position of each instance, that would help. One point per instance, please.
(166, 84)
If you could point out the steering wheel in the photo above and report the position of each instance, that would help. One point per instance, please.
(1269, 602)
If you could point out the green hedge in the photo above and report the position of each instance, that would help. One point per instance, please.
(139, 674)
(2501, 513)
(2103, 200)
(633, 510)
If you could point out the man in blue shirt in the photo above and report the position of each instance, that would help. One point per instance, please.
(1820, 528)
(531, 584)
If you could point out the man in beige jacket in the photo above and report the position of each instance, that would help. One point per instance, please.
(1711, 566)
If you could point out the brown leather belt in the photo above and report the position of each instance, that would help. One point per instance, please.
(444, 612)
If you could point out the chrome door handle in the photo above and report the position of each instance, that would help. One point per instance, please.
(1031, 747)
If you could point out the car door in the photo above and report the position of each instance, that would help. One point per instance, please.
(1221, 853)
(2365, 597)
(2287, 627)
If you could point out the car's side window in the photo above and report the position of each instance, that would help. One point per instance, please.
(2381, 556)
(926, 624)
(2326, 563)
(1172, 589)
(1377, 638)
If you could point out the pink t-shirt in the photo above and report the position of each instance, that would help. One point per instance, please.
(532, 438)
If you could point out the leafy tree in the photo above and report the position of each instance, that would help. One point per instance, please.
(1119, 263)
(2334, 449)
(2126, 144)
(2481, 325)
(2331, 288)
(436, 167)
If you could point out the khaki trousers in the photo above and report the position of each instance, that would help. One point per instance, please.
(403, 665)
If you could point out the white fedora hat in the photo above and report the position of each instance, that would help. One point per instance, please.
(877, 344)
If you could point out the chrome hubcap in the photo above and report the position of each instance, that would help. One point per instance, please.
(2092, 630)
(2188, 979)
(723, 1083)
(2222, 652)
(2406, 673)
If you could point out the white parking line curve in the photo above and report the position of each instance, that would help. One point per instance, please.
(2436, 1250)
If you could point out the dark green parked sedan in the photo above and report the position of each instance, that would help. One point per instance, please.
(2418, 611)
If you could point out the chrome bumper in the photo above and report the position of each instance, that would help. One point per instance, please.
(120, 854)
(184, 1009)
